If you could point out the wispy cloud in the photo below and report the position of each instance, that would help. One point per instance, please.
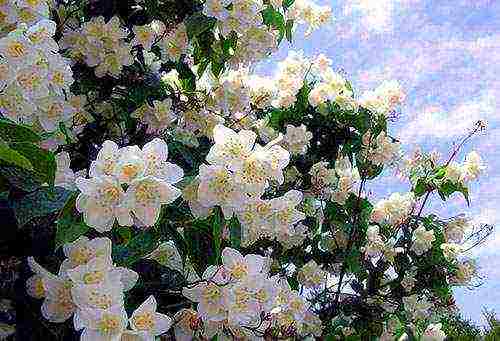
(435, 121)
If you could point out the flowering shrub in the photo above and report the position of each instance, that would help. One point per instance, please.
(165, 188)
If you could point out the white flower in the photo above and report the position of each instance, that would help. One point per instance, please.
(434, 333)
(217, 187)
(97, 296)
(101, 202)
(58, 305)
(239, 267)
(456, 228)
(393, 210)
(209, 295)
(65, 177)
(174, 44)
(52, 111)
(311, 275)
(106, 160)
(156, 153)
(82, 250)
(96, 271)
(145, 196)
(297, 139)
(473, 166)
(451, 250)
(186, 323)
(286, 214)
(422, 240)
(148, 322)
(167, 255)
(466, 271)
(230, 148)
(130, 164)
(242, 305)
(103, 325)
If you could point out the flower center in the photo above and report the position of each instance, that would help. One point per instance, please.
(144, 321)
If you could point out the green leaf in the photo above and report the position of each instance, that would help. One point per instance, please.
(139, 246)
(288, 29)
(69, 224)
(235, 232)
(275, 20)
(198, 23)
(12, 132)
(40, 203)
(12, 157)
(287, 3)
(43, 161)
(20, 178)
(217, 222)
(420, 188)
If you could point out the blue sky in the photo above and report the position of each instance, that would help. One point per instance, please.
(446, 53)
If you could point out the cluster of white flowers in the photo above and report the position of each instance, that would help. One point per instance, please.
(467, 269)
(289, 79)
(433, 332)
(378, 246)
(91, 289)
(101, 45)
(15, 12)
(231, 96)
(244, 17)
(422, 240)
(148, 177)
(334, 184)
(158, 116)
(393, 210)
(382, 150)
(35, 78)
(331, 86)
(417, 307)
(384, 99)
(470, 170)
(239, 172)
(306, 11)
(297, 139)
(239, 296)
(172, 43)
(312, 276)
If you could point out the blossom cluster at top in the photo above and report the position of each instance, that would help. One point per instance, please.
(35, 78)
(148, 177)
(14, 12)
(90, 288)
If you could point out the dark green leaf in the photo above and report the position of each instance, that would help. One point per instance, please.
(288, 29)
(199, 23)
(287, 3)
(43, 161)
(69, 224)
(217, 222)
(40, 203)
(20, 178)
(235, 232)
(139, 246)
(12, 132)
(13, 157)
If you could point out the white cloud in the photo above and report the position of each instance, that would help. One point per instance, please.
(377, 15)
(435, 122)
